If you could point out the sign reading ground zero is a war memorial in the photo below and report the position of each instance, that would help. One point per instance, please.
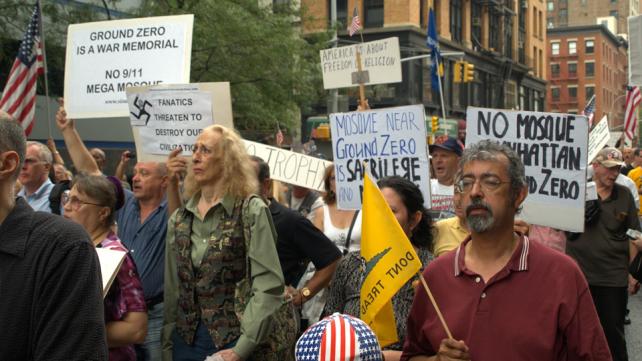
(105, 58)
(554, 148)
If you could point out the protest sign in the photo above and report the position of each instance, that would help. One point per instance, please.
(598, 138)
(380, 61)
(290, 167)
(110, 261)
(104, 58)
(167, 116)
(388, 141)
(635, 50)
(553, 148)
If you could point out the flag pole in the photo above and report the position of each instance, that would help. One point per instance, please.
(434, 304)
(44, 60)
(441, 89)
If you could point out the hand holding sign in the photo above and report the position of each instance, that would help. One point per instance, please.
(176, 166)
(62, 121)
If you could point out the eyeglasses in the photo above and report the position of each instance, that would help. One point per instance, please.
(487, 183)
(75, 202)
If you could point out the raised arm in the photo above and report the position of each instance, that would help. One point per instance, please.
(80, 156)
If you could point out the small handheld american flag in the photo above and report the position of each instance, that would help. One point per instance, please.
(355, 25)
(589, 110)
(19, 95)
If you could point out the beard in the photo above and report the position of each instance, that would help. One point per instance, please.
(479, 223)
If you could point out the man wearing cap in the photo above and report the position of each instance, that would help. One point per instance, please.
(604, 251)
(445, 153)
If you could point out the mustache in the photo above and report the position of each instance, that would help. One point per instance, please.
(478, 204)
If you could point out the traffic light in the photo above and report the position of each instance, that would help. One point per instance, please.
(458, 70)
(469, 72)
(435, 124)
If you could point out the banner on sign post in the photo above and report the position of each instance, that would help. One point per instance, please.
(554, 150)
(168, 116)
(104, 58)
(291, 167)
(598, 138)
(388, 141)
(380, 61)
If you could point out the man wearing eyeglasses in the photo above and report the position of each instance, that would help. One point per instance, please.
(34, 176)
(603, 251)
(51, 306)
(502, 297)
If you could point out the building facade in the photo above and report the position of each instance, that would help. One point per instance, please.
(504, 39)
(587, 60)
(562, 13)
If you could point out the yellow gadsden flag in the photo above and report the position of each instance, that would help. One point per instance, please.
(390, 262)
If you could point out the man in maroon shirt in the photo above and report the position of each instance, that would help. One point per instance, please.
(503, 297)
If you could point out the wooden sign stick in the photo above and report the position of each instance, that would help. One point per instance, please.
(434, 304)
(362, 90)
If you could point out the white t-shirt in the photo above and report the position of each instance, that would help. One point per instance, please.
(441, 197)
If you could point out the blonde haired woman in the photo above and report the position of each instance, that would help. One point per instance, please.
(206, 256)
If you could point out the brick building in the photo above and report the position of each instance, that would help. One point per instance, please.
(560, 13)
(504, 39)
(587, 60)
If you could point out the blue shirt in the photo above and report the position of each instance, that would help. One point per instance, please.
(39, 200)
(146, 242)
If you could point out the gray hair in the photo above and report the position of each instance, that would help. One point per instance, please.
(487, 150)
(43, 152)
(12, 138)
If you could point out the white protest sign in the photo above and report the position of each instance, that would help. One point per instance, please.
(635, 50)
(380, 61)
(104, 58)
(290, 167)
(598, 138)
(170, 118)
(166, 116)
(391, 141)
(553, 148)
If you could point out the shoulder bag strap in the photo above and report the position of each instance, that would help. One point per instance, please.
(349, 238)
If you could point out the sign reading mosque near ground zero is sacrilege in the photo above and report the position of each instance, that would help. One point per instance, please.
(380, 62)
(553, 147)
(388, 142)
(104, 58)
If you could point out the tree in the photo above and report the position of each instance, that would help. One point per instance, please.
(273, 70)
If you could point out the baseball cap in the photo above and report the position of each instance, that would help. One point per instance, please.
(448, 143)
(338, 338)
(609, 157)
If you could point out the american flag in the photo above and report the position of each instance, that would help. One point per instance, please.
(338, 338)
(589, 110)
(355, 25)
(19, 95)
(633, 98)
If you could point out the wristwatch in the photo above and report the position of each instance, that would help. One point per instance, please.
(306, 293)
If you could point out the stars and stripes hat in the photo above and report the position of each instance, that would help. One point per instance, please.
(338, 338)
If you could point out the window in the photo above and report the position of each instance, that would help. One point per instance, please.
(589, 69)
(572, 93)
(572, 47)
(589, 91)
(550, 22)
(555, 93)
(613, 13)
(508, 36)
(550, 6)
(476, 28)
(373, 13)
(563, 16)
(455, 20)
(555, 48)
(494, 33)
(589, 46)
(342, 12)
(555, 70)
(572, 69)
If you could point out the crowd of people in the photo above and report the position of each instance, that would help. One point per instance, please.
(224, 263)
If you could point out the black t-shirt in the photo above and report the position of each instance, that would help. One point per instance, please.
(299, 242)
(626, 168)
